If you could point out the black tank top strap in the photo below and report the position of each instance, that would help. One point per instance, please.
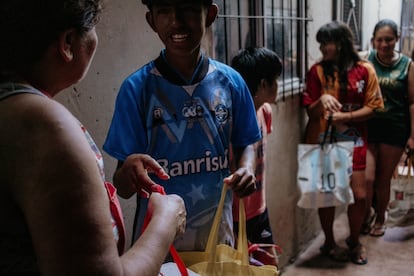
(10, 88)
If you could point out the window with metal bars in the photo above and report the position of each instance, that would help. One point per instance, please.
(279, 25)
(407, 28)
(351, 15)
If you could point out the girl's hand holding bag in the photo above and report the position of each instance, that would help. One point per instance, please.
(324, 172)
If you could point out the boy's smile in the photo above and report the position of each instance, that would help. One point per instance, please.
(179, 37)
(181, 24)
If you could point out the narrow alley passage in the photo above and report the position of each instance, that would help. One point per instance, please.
(389, 255)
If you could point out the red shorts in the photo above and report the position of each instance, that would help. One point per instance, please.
(359, 158)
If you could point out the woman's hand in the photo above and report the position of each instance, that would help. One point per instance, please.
(338, 117)
(170, 209)
(330, 103)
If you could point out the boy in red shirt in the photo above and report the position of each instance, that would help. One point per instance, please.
(260, 68)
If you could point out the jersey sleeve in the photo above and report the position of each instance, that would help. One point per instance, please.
(267, 115)
(313, 87)
(125, 135)
(373, 96)
(245, 128)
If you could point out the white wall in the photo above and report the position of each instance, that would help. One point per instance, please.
(319, 17)
(372, 10)
(375, 10)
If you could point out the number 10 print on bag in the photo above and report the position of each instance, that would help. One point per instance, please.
(324, 173)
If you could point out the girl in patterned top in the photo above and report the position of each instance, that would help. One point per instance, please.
(342, 87)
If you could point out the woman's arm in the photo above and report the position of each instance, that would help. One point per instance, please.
(149, 251)
(325, 104)
(62, 196)
(359, 115)
(316, 102)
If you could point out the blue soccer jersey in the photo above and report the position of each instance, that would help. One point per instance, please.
(187, 128)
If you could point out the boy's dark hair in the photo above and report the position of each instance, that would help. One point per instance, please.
(255, 64)
(150, 3)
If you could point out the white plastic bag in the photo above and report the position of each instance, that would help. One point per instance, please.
(401, 194)
(171, 269)
(324, 173)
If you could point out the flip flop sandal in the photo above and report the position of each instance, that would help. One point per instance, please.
(367, 225)
(335, 253)
(377, 230)
(357, 254)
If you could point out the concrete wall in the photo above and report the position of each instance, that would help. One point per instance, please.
(292, 227)
(126, 42)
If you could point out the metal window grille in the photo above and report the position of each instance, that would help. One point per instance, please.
(279, 25)
(351, 14)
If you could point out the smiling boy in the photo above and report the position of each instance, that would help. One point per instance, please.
(184, 109)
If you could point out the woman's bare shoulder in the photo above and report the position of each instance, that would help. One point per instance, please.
(41, 134)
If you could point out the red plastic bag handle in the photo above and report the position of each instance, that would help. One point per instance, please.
(174, 254)
(255, 246)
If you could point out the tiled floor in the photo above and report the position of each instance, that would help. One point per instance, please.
(389, 255)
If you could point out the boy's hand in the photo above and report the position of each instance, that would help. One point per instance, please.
(133, 175)
(242, 182)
